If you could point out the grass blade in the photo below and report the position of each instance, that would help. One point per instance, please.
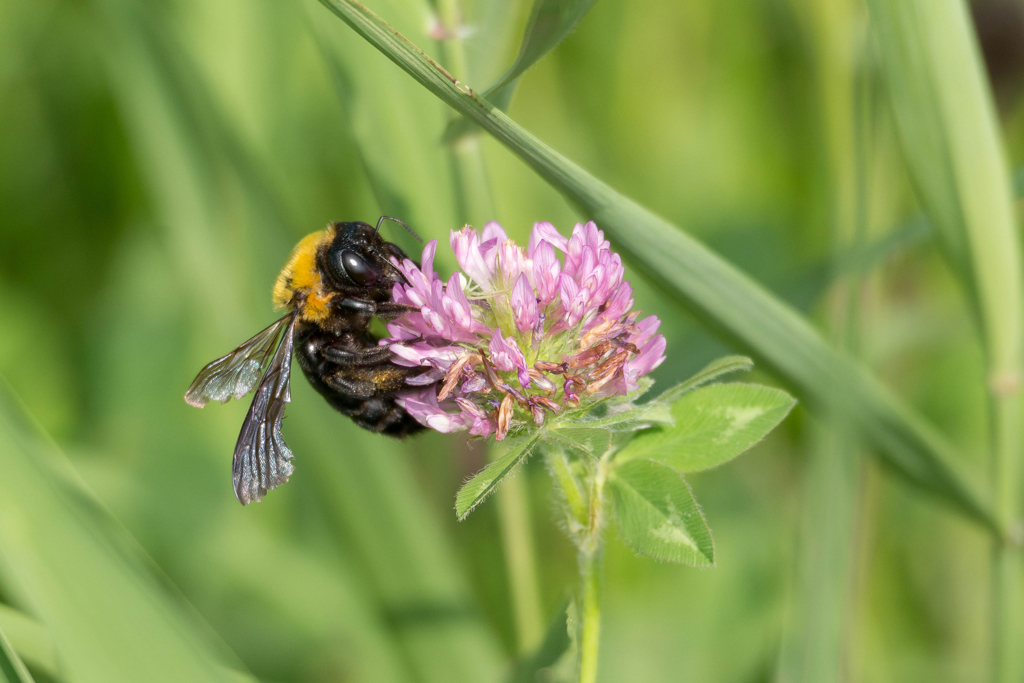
(12, 669)
(30, 640)
(816, 636)
(106, 613)
(951, 140)
(491, 31)
(952, 144)
(712, 288)
(550, 22)
(865, 258)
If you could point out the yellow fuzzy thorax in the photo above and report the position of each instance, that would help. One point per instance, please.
(300, 275)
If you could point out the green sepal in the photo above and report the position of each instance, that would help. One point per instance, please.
(517, 449)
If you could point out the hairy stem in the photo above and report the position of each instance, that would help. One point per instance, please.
(589, 545)
(573, 496)
(590, 628)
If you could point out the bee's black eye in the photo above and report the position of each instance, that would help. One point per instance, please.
(358, 270)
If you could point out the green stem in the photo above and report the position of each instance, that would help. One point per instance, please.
(514, 518)
(590, 628)
(472, 186)
(815, 643)
(590, 569)
(574, 498)
(1008, 629)
(472, 183)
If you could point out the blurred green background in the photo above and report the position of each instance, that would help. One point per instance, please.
(158, 159)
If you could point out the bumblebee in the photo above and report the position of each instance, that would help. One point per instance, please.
(333, 284)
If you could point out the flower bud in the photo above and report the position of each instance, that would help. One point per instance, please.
(572, 398)
(455, 372)
(538, 413)
(556, 368)
(538, 380)
(547, 403)
(504, 417)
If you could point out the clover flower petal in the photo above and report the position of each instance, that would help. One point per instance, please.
(545, 232)
(466, 245)
(651, 356)
(546, 270)
(506, 356)
(423, 406)
(524, 305)
(511, 264)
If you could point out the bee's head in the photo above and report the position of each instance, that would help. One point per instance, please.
(357, 258)
(346, 259)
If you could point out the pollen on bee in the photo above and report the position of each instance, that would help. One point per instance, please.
(300, 275)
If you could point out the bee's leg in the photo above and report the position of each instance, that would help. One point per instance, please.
(364, 356)
(359, 306)
(389, 378)
(363, 310)
(360, 389)
(385, 310)
(389, 310)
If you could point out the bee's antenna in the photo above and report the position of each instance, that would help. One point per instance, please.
(389, 218)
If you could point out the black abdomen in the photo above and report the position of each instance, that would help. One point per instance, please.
(356, 382)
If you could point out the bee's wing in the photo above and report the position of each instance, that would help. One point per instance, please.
(262, 459)
(235, 375)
